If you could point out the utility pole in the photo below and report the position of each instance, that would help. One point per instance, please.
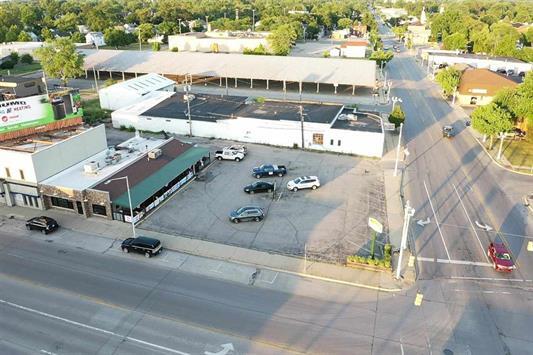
(95, 81)
(302, 125)
(253, 20)
(140, 46)
(179, 24)
(398, 151)
(187, 89)
(408, 213)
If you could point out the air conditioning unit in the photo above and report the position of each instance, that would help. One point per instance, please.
(154, 154)
(91, 167)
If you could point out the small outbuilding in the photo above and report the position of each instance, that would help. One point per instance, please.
(132, 91)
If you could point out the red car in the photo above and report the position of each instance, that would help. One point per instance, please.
(501, 258)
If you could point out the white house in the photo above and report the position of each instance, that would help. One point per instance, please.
(25, 164)
(95, 38)
(83, 29)
(354, 49)
(134, 90)
(327, 127)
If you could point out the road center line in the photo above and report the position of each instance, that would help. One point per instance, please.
(471, 224)
(86, 326)
(436, 221)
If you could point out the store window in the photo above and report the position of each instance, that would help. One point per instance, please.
(318, 138)
(61, 202)
(339, 142)
(99, 210)
(8, 173)
(21, 174)
(331, 142)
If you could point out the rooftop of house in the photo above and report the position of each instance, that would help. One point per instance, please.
(360, 43)
(106, 163)
(38, 142)
(483, 81)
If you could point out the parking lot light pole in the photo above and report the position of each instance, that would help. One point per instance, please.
(408, 213)
(398, 151)
(129, 199)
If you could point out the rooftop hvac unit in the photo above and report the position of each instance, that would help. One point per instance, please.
(154, 154)
(91, 167)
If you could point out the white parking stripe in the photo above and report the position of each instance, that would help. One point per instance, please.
(86, 326)
(436, 221)
(455, 262)
(471, 224)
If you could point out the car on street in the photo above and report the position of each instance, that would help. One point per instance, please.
(259, 186)
(247, 213)
(304, 182)
(447, 132)
(500, 257)
(143, 245)
(43, 224)
(269, 170)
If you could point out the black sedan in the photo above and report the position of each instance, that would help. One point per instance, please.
(259, 186)
(43, 224)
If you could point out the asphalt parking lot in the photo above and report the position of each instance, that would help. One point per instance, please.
(326, 224)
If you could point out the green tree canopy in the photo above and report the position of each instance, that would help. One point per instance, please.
(344, 23)
(381, 57)
(146, 30)
(24, 37)
(448, 79)
(491, 120)
(60, 59)
(282, 39)
(455, 41)
(397, 116)
(117, 38)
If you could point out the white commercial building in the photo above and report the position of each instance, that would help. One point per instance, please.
(436, 58)
(354, 49)
(24, 165)
(218, 41)
(134, 90)
(326, 127)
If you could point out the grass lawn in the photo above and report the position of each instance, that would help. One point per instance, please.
(519, 152)
(21, 69)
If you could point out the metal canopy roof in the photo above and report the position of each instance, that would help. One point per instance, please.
(359, 72)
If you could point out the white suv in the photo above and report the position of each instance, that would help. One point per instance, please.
(304, 182)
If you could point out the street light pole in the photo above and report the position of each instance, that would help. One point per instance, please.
(408, 213)
(398, 151)
(179, 24)
(187, 88)
(253, 20)
(302, 125)
(129, 199)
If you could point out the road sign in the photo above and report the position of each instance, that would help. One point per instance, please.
(375, 225)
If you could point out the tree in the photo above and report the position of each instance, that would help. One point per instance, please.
(344, 23)
(448, 80)
(12, 34)
(381, 57)
(67, 23)
(156, 46)
(60, 59)
(397, 116)
(455, 41)
(116, 38)
(14, 57)
(399, 31)
(524, 102)
(282, 39)
(146, 31)
(167, 28)
(24, 37)
(26, 59)
(46, 34)
(77, 37)
(491, 120)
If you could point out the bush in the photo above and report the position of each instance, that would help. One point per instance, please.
(260, 100)
(384, 263)
(127, 129)
(14, 57)
(92, 113)
(156, 46)
(110, 82)
(326, 54)
(26, 59)
(8, 64)
(174, 49)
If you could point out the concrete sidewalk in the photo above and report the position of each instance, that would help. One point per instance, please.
(117, 231)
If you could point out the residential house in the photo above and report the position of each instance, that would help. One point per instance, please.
(95, 38)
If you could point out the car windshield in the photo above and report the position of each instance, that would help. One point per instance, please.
(503, 256)
(297, 180)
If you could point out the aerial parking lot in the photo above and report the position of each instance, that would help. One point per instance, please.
(329, 222)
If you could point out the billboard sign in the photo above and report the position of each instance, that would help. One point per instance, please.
(34, 111)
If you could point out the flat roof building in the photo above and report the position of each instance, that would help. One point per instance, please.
(266, 122)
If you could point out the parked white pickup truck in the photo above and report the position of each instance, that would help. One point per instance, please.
(237, 148)
(228, 154)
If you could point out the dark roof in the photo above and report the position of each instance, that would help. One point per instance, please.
(203, 107)
(162, 177)
(289, 111)
(214, 107)
(143, 168)
(364, 121)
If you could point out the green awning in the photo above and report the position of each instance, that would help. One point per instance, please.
(153, 183)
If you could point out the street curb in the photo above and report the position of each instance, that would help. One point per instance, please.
(496, 162)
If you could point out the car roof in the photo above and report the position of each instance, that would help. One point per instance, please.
(307, 177)
(500, 248)
(147, 240)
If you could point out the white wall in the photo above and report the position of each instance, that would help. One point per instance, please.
(281, 133)
(16, 161)
(491, 64)
(116, 98)
(62, 155)
(353, 52)
(225, 45)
